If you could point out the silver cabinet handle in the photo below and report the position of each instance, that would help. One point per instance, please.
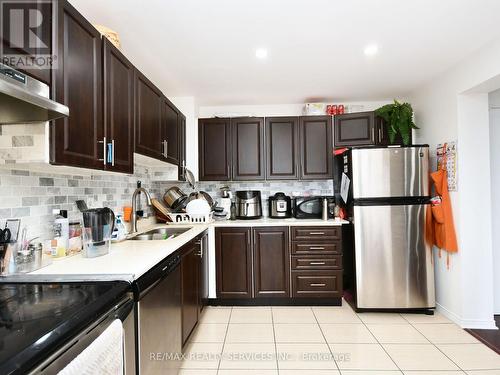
(373, 134)
(166, 148)
(104, 153)
(113, 152)
(316, 248)
(316, 233)
(164, 143)
(380, 134)
(317, 263)
(317, 284)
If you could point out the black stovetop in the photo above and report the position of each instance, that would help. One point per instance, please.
(38, 318)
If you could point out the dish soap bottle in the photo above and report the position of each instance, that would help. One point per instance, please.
(61, 233)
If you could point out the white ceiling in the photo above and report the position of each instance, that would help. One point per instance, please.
(206, 48)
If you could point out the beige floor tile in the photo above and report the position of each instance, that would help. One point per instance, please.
(426, 319)
(472, 356)
(197, 372)
(249, 356)
(209, 332)
(215, 315)
(247, 372)
(433, 372)
(293, 315)
(346, 333)
(362, 357)
(250, 333)
(336, 315)
(295, 333)
(251, 307)
(356, 372)
(483, 372)
(309, 372)
(202, 356)
(381, 318)
(397, 334)
(304, 356)
(251, 316)
(419, 357)
(445, 334)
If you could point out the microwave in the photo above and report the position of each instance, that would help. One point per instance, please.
(311, 207)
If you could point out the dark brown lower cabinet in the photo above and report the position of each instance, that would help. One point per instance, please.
(271, 259)
(317, 284)
(190, 265)
(233, 258)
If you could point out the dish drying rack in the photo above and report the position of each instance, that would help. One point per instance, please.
(183, 218)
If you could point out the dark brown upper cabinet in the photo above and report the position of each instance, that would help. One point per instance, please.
(182, 147)
(355, 129)
(214, 146)
(170, 131)
(43, 32)
(315, 141)
(233, 260)
(118, 109)
(148, 122)
(282, 135)
(78, 140)
(271, 262)
(248, 159)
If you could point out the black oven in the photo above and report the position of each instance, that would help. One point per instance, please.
(311, 207)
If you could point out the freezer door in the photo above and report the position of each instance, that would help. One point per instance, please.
(393, 262)
(390, 172)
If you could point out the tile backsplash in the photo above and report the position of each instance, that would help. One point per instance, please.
(267, 188)
(32, 195)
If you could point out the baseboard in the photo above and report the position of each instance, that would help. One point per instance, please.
(466, 323)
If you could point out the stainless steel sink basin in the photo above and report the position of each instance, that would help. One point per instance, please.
(160, 234)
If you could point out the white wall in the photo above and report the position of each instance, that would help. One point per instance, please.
(454, 106)
(494, 101)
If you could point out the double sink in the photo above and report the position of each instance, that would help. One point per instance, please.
(160, 234)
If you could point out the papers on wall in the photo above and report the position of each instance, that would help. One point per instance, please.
(447, 158)
(344, 187)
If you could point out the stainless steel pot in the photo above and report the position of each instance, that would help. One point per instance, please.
(173, 197)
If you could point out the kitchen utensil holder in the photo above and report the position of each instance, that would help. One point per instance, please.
(191, 218)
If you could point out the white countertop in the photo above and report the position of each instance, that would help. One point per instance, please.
(266, 221)
(129, 260)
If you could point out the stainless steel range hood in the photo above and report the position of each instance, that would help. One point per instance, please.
(26, 100)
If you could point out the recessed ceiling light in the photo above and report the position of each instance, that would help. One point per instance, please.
(371, 50)
(261, 53)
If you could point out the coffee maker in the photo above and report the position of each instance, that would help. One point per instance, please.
(248, 204)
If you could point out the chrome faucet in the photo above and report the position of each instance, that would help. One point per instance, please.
(133, 217)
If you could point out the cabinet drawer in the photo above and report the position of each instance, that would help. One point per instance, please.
(316, 233)
(333, 262)
(317, 284)
(333, 247)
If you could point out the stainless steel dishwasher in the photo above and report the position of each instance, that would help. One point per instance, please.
(159, 319)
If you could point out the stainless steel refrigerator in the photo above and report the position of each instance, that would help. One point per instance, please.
(388, 198)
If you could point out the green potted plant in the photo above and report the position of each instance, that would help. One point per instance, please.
(398, 119)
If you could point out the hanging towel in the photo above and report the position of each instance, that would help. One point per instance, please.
(104, 356)
(440, 228)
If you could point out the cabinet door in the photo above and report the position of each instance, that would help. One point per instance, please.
(233, 259)
(170, 123)
(43, 32)
(271, 262)
(118, 108)
(355, 129)
(315, 134)
(282, 148)
(203, 285)
(77, 140)
(248, 148)
(182, 147)
(148, 129)
(214, 149)
(190, 264)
